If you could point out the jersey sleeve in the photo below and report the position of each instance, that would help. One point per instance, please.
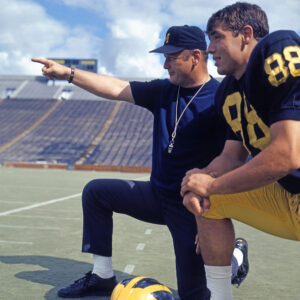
(145, 94)
(272, 78)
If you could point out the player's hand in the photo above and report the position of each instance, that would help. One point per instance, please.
(53, 70)
(195, 204)
(201, 171)
(197, 182)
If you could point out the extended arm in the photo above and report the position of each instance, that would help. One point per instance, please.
(100, 85)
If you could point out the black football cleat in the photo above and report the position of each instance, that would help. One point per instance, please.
(89, 285)
(243, 269)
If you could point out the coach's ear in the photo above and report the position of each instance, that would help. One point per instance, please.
(248, 34)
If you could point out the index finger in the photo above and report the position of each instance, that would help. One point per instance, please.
(41, 60)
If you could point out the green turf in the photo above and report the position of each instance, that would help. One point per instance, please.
(40, 247)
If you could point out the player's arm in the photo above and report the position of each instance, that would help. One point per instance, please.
(233, 156)
(281, 157)
(101, 85)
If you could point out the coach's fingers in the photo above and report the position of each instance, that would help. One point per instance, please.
(43, 61)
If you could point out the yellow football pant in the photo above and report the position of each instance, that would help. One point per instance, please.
(271, 209)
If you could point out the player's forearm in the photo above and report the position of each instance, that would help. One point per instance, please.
(265, 168)
(102, 85)
(278, 159)
(233, 156)
(222, 164)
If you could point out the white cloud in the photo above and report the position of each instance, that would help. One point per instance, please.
(27, 31)
(212, 69)
(87, 4)
(114, 9)
(125, 52)
(281, 14)
(134, 28)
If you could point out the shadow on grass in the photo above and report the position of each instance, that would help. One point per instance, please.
(58, 272)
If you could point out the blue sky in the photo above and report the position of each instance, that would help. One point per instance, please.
(119, 33)
(75, 15)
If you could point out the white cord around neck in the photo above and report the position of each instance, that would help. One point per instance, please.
(177, 120)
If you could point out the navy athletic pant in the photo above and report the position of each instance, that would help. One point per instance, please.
(102, 197)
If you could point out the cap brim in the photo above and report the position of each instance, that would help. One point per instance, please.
(168, 49)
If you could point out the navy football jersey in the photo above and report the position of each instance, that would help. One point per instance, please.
(268, 92)
(199, 139)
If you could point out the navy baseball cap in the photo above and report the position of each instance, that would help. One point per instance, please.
(180, 38)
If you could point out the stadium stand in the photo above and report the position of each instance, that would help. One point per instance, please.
(17, 115)
(44, 123)
(37, 89)
(11, 85)
(128, 140)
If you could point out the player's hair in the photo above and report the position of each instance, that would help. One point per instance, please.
(234, 17)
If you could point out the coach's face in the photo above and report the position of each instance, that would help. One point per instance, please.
(179, 66)
(227, 51)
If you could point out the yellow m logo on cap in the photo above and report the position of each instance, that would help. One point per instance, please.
(167, 38)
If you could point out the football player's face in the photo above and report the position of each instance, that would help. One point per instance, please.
(179, 66)
(227, 51)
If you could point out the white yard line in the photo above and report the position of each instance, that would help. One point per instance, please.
(12, 201)
(140, 247)
(12, 211)
(46, 217)
(148, 231)
(29, 227)
(35, 187)
(129, 269)
(14, 242)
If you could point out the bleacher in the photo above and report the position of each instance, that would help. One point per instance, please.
(17, 115)
(10, 84)
(133, 132)
(43, 123)
(36, 89)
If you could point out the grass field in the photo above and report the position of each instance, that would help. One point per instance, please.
(41, 230)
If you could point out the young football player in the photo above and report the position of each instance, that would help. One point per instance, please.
(260, 101)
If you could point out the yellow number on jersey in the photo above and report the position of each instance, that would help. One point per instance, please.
(254, 120)
(292, 55)
(233, 103)
(277, 70)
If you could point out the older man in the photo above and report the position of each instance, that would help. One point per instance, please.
(186, 134)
